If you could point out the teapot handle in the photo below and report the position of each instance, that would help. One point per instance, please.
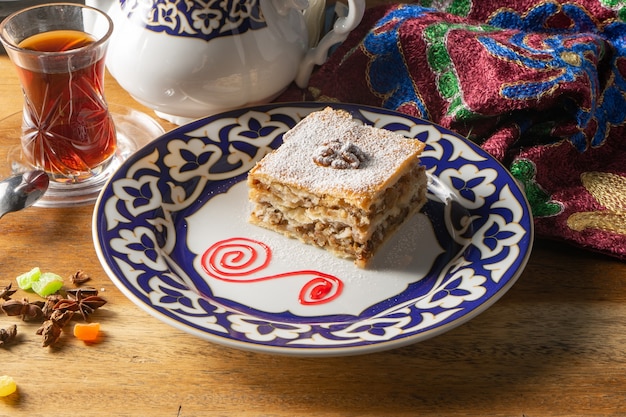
(348, 18)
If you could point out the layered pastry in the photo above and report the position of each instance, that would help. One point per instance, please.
(338, 184)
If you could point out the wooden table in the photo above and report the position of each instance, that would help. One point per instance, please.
(555, 344)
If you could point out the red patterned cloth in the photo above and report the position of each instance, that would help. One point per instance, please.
(539, 85)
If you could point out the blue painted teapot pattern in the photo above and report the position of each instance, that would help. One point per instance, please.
(188, 59)
(198, 19)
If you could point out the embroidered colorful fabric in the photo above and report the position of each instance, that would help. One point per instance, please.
(539, 85)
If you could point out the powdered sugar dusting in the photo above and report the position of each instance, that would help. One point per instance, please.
(292, 163)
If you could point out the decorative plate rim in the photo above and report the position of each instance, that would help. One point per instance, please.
(125, 194)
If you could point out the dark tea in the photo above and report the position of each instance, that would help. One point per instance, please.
(67, 128)
(57, 41)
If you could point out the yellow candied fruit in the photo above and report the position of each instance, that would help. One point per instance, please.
(7, 385)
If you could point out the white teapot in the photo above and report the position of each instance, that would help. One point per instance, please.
(187, 59)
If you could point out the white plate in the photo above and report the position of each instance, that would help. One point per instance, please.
(168, 221)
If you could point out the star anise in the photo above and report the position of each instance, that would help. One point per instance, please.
(28, 311)
(73, 293)
(48, 306)
(79, 277)
(7, 292)
(8, 335)
(51, 329)
(79, 302)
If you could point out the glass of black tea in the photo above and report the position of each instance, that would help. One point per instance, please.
(59, 51)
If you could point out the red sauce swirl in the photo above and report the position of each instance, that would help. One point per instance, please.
(240, 260)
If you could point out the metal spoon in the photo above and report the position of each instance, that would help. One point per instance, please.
(22, 190)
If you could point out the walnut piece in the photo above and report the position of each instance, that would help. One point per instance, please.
(339, 155)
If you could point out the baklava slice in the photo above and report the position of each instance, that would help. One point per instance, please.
(338, 184)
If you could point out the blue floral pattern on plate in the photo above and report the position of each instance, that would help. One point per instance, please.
(479, 218)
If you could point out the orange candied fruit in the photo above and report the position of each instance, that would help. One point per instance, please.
(87, 332)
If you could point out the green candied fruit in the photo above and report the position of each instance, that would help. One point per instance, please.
(48, 284)
(25, 281)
